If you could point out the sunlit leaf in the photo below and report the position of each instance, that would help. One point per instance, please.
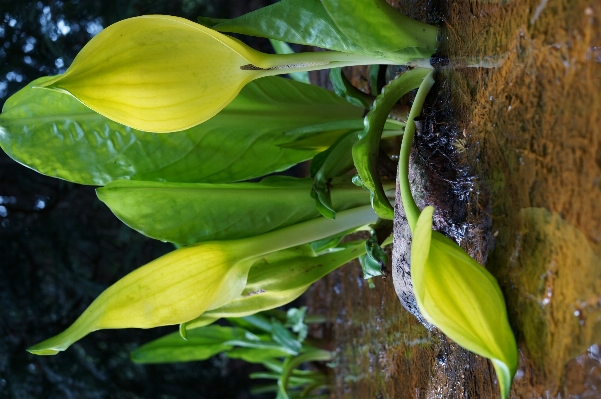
(462, 298)
(58, 136)
(187, 213)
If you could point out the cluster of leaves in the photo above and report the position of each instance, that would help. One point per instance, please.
(251, 246)
(275, 339)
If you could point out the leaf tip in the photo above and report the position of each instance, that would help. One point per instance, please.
(42, 351)
(183, 332)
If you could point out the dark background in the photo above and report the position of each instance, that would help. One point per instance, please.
(60, 246)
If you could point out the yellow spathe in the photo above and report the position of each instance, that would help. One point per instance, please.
(462, 299)
(172, 289)
(158, 73)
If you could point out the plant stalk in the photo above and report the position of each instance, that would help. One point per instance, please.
(411, 209)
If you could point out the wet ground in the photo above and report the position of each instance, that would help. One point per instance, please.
(511, 159)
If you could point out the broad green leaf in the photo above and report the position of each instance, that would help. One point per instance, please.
(293, 21)
(462, 298)
(201, 344)
(58, 136)
(187, 213)
(377, 26)
(366, 150)
(284, 48)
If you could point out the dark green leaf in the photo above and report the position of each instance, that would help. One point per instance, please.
(346, 90)
(293, 21)
(187, 213)
(282, 336)
(370, 267)
(56, 135)
(321, 136)
(377, 26)
(326, 166)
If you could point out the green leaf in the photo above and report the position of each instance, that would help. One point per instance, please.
(462, 298)
(187, 213)
(202, 343)
(366, 150)
(284, 48)
(377, 26)
(321, 136)
(295, 319)
(293, 21)
(346, 90)
(56, 135)
(282, 336)
(328, 165)
(253, 355)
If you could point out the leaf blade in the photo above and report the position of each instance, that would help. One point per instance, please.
(58, 136)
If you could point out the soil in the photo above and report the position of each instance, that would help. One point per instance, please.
(510, 157)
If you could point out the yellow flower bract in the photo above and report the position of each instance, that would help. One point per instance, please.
(462, 299)
(172, 289)
(158, 73)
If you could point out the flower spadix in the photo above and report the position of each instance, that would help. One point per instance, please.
(462, 299)
(163, 74)
(183, 284)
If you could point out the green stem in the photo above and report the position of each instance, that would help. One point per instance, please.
(411, 209)
(309, 231)
(276, 64)
(291, 364)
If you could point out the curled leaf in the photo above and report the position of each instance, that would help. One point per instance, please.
(366, 150)
(462, 299)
